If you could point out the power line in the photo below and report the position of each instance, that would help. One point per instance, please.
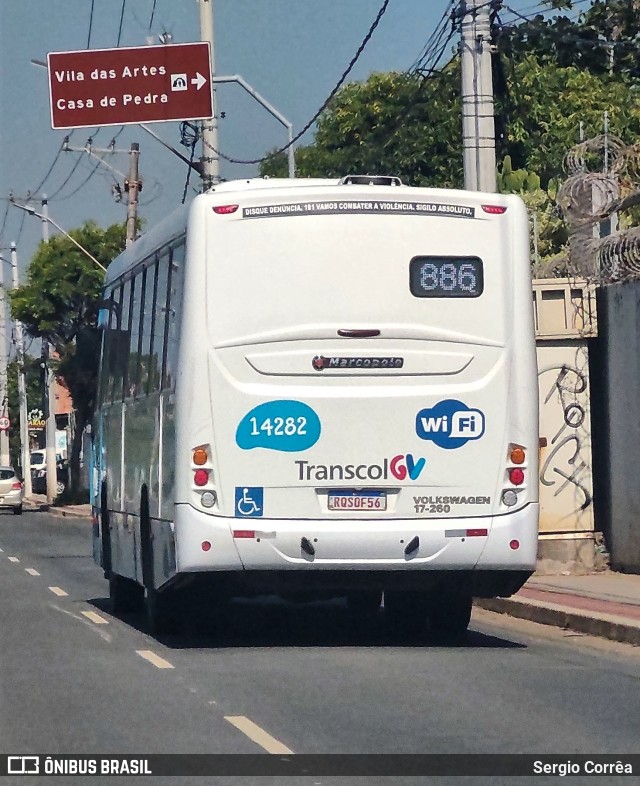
(93, 2)
(339, 84)
(124, 2)
(50, 170)
(433, 40)
(153, 11)
(82, 185)
(4, 220)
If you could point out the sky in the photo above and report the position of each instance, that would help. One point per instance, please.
(292, 52)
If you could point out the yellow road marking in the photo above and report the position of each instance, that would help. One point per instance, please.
(58, 591)
(157, 661)
(13, 559)
(91, 615)
(32, 571)
(257, 734)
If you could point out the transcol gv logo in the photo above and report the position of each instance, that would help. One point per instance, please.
(450, 424)
(401, 467)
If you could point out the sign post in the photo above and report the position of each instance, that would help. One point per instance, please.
(128, 85)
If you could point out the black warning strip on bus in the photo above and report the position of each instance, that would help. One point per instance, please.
(379, 207)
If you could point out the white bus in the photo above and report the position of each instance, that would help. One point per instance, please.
(321, 388)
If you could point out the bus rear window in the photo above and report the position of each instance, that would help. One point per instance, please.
(446, 276)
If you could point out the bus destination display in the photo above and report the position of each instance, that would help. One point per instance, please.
(446, 277)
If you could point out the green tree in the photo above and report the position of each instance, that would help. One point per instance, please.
(549, 234)
(548, 103)
(408, 126)
(603, 38)
(59, 303)
(393, 123)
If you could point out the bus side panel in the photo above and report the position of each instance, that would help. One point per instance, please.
(113, 452)
(138, 437)
(155, 455)
(168, 460)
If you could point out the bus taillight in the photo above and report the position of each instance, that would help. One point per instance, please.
(201, 477)
(200, 456)
(516, 476)
(496, 210)
(517, 455)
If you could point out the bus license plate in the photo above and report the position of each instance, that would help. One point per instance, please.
(357, 500)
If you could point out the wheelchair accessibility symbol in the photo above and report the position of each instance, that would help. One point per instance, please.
(249, 501)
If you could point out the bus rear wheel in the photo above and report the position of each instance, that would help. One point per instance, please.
(126, 594)
(451, 613)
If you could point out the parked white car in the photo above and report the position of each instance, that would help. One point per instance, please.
(11, 490)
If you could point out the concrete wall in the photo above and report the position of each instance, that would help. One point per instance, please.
(566, 489)
(615, 375)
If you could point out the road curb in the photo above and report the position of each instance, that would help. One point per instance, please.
(61, 512)
(72, 514)
(606, 626)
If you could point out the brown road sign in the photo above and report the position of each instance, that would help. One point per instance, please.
(106, 87)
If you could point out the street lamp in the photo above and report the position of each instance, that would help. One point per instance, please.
(272, 111)
(33, 212)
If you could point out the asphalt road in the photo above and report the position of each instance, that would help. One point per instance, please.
(280, 678)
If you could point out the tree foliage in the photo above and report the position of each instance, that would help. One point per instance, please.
(59, 303)
(603, 39)
(393, 123)
(546, 106)
(553, 80)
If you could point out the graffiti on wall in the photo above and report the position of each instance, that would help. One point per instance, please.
(565, 467)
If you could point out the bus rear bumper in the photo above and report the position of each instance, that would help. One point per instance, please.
(206, 543)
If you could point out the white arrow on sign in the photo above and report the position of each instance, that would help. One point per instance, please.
(198, 80)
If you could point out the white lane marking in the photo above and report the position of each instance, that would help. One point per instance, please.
(91, 615)
(158, 662)
(13, 559)
(257, 734)
(1, 551)
(32, 571)
(103, 634)
(59, 592)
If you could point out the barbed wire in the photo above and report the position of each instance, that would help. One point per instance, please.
(603, 181)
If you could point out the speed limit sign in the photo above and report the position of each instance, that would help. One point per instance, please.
(5, 423)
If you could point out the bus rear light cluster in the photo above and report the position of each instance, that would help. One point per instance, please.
(515, 474)
(203, 475)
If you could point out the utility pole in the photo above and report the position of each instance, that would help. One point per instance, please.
(49, 392)
(22, 387)
(132, 186)
(210, 159)
(5, 459)
(478, 126)
(132, 182)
